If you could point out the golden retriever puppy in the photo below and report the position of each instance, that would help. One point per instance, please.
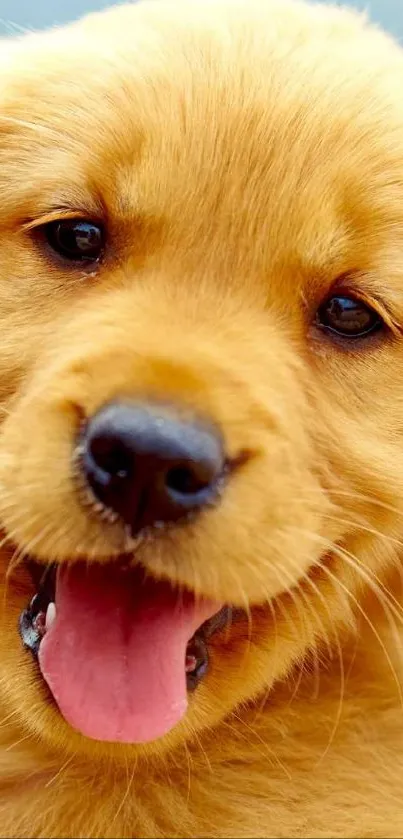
(201, 445)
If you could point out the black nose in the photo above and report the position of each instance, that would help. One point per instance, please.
(149, 466)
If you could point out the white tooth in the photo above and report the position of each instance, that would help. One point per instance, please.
(50, 615)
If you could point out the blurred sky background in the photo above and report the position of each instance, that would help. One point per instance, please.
(36, 14)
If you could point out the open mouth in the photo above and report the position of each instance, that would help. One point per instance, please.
(119, 651)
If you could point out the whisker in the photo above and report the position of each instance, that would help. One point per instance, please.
(269, 752)
(366, 618)
(125, 796)
(60, 771)
(18, 742)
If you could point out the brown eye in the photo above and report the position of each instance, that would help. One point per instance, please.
(348, 317)
(75, 239)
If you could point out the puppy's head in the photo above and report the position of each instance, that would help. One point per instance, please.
(201, 215)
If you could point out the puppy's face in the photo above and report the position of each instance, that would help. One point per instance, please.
(201, 215)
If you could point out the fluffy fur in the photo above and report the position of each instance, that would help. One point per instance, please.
(246, 159)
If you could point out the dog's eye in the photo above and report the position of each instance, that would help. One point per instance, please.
(348, 317)
(75, 239)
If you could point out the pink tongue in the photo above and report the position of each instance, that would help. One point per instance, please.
(114, 658)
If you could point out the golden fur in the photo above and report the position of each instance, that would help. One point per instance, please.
(247, 157)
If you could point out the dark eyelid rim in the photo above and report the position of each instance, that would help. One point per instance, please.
(62, 215)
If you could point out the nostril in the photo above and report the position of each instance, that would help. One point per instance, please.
(111, 457)
(184, 480)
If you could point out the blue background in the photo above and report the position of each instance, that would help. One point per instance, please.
(35, 14)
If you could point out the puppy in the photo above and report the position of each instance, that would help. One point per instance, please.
(201, 445)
